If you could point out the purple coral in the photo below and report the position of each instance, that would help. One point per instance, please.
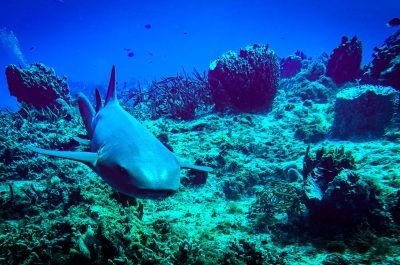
(290, 66)
(345, 61)
(39, 86)
(385, 67)
(246, 81)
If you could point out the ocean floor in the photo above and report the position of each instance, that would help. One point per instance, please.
(249, 210)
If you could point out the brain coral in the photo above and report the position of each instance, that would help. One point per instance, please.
(244, 82)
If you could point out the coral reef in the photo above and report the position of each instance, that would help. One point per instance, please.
(266, 201)
(245, 82)
(345, 61)
(315, 71)
(385, 66)
(39, 86)
(290, 66)
(363, 112)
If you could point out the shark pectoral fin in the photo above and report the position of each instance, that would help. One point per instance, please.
(195, 167)
(88, 158)
(81, 141)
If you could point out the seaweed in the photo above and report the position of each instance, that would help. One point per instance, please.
(183, 96)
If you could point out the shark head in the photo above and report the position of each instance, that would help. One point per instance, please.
(136, 175)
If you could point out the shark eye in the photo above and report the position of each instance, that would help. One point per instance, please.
(122, 170)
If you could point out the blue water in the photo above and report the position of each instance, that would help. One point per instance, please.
(82, 39)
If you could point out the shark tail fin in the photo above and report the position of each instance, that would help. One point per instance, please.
(195, 167)
(87, 112)
(88, 158)
(111, 92)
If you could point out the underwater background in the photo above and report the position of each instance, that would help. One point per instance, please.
(294, 104)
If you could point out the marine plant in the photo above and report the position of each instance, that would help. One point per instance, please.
(177, 97)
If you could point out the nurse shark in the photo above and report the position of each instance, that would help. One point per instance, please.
(123, 152)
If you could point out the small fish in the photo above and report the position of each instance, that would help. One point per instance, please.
(393, 22)
(31, 48)
(127, 49)
(131, 54)
(147, 26)
(150, 53)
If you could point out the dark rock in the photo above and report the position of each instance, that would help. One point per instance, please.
(290, 66)
(39, 85)
(345, 61)
(385, 67)
(244, 82)
(363, 112)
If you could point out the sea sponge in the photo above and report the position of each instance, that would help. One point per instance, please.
(290, 66)
(363, 111)
(38, 85)
(244, 82)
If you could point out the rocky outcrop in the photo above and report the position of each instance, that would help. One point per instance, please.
(38, 86)
(345, 61)
(363, 112)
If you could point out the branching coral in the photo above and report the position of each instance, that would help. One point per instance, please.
(179, 97)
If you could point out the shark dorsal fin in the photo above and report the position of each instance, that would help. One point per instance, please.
(99, 103)
(87, 112)
(111, 92)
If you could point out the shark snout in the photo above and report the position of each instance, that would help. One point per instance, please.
(157, 179)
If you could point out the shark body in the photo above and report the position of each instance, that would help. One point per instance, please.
(123, 152)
